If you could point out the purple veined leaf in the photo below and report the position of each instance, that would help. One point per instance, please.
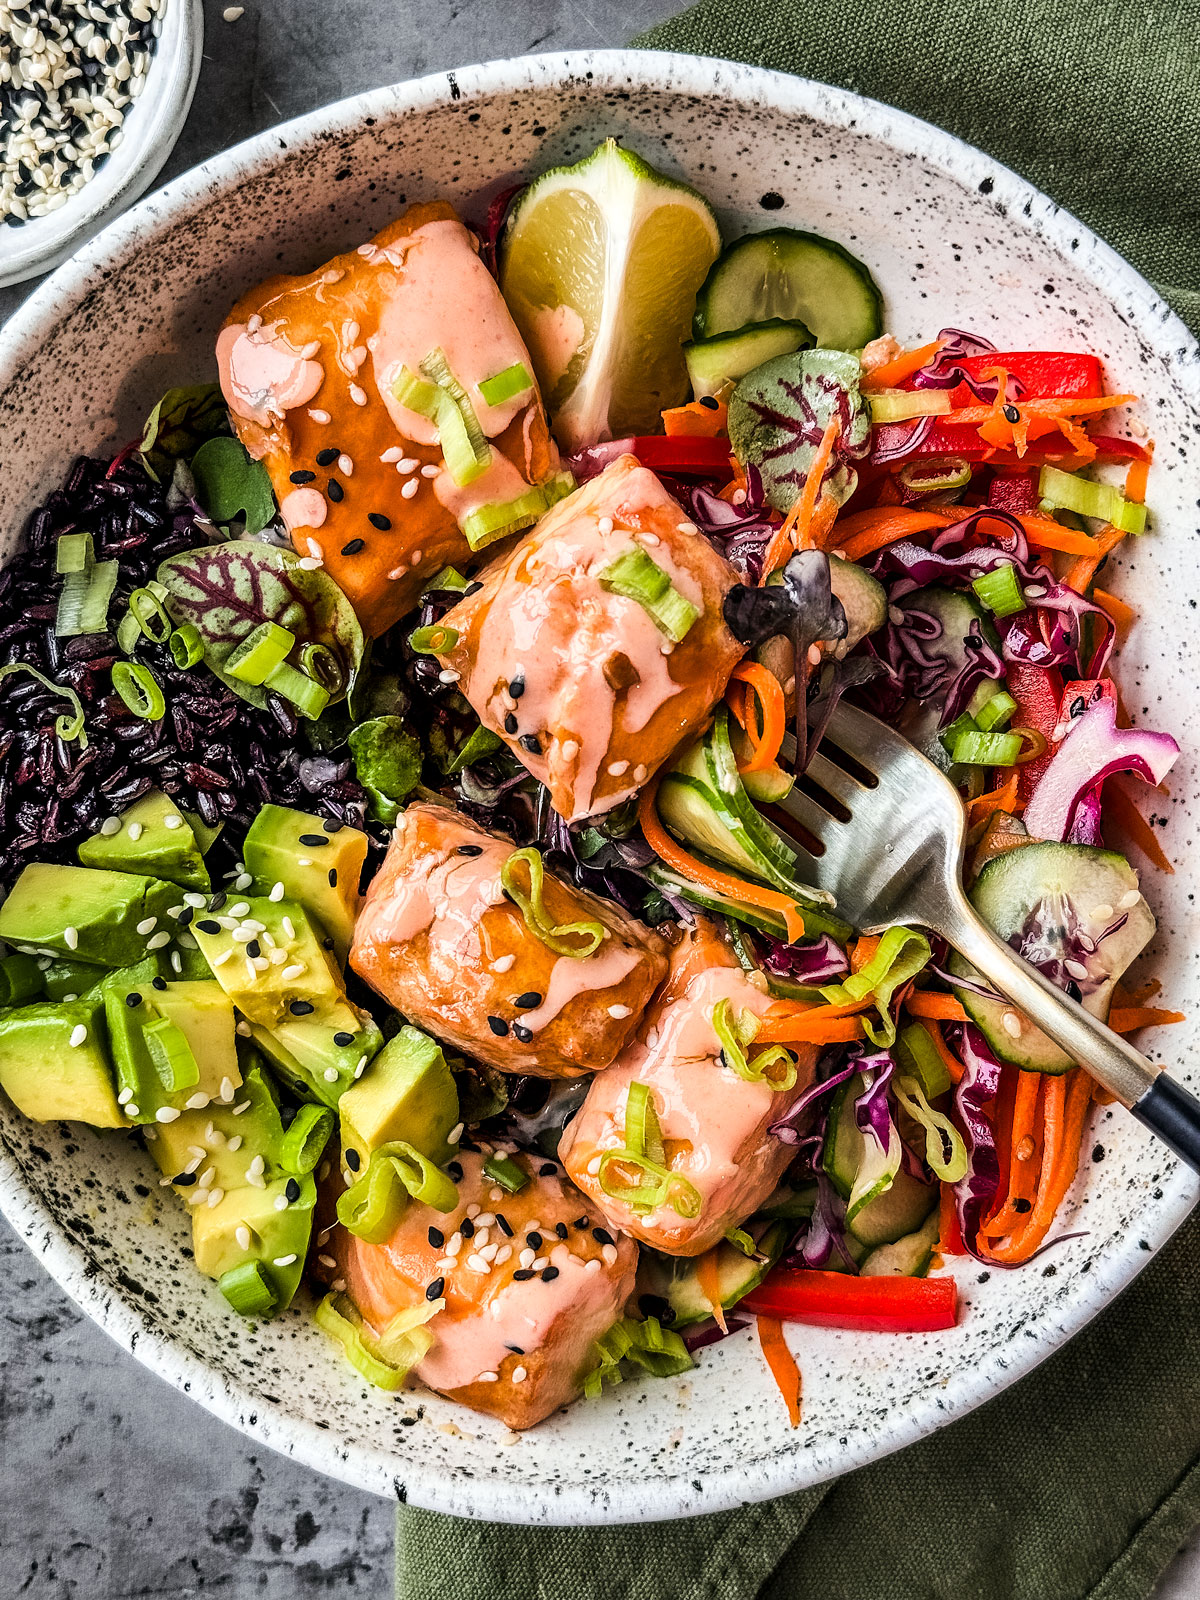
(227, 590)
(778, 415)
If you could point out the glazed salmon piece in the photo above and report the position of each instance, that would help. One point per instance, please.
(438, 938)
(307, 366)
(715, 1125)
(515, 1339)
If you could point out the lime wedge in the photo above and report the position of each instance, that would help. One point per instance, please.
(600, 264)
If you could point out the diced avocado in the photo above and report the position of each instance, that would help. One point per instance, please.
(155, 838)
(62, 978)
(205, 835)
(140, 975)
(251, 1120)
(186, 960)
(319, 870)
(54, 1063)
(318, 1055)
(84, 913)
(407, 1092)
(278, 1238)
(21, 978)
(203, 1015)
(272, 961)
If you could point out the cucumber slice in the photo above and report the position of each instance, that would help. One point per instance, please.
(1049, 901)
(676, 1281)
(789, 1205)
(860, 1171)
(712, 363)
(960, 615)
(794, 276)
(897, 1211)
(708, 900)
(908, 1257)
(778, 859)
(864, 600)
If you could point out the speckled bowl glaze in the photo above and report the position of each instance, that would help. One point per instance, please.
(953, 239)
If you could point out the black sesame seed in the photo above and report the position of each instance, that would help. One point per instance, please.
(218, 900)
(560, 1229)
(1022, 1205)
(467, 1229)
(528, 1001)
(498, 1026)
(184, 1179)
(434, 1290)
(343, 1038)
(337, 494)
(531, 742)
(602, 1236)
(504, 1225)
(472, 588)
(253, 949)
(1011, 414)
(515, 1348)
(522, 1033)
(326, 458)
(437, 1238)
(314, 841)
(710, 401)
(208, 926)
(352, 1160)
(378, 520)
(133, 999)
(548, 1171)
(326, 944)
(522, 1274)
(516, 686)
(534, 1241)
(302, 477)
(331, 877)
(332, 825)
(301, 1008)
(158, 983)
(550, 1272)
(470, 849)
(353, 546)
(455, 1170)
(185, 917)
(292, 1189)
(510, 723)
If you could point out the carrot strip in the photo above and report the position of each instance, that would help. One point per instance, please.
(708, 1280)
(817, 1027)
(1021, 1168)
(1121, 996)
(865, 947)
(950, 1061)
(769, 693)
(736, 483)
(1080, 573)
(864, 532)
(1002, 1115)
(752, 894)
(695, 421)
(1134, 828)
(1124, 616)
(943, 1007)
(1137, 477)
(782, 1365)
(1049, 409)
(894, 372)
(1128, 1018)
(1047, 534)
(807, 503)
(1002, 799)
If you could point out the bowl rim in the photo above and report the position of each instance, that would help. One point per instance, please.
(375, 1469)
(149, 136)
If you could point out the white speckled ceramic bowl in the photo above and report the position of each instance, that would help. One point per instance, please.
(953, 239)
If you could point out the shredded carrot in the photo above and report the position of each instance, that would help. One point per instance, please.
(1133, 827)
(864, 532)
(864, 948)
(1002, 799)
(949, 1060)
(708, 1280)
(696, 421)
(772, 708)
(782, 1364)
(1130, 1017)
(800, 523)
(1002, 1115)
(1124, 616)
(676, 857)
(821, 1025)
(1064, 1105)
(1022, 1170)
(950, 1241)
(1080, 573)
(1047, 534)
(889, 493)
(737, 481)
(1052, 406)
(1122, 996)
(903, 366)
(1137, 477)
(943, 1007)
(807, 504)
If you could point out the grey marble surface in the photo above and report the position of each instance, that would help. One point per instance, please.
(112, 1485)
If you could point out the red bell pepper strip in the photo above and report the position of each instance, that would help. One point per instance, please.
(867, 1305)
(1015, 491)
(707, 458)
(1038, 693)
(1041, 373)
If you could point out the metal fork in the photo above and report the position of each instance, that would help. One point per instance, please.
(889, 846)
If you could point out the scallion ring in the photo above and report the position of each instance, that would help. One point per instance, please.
(433, 640)
(186, 646)
(66, 727)
(138, 688)
(151, 615)
(558, 937)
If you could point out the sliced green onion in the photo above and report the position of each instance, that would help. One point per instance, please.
(171, 1054)
(74, 552)
(138, 688)
(1000, 590)
(320, 663)
(254, 658)
(433, 640)
(309, 698)
(186, 645)
(899, 956)
(990, 706)
(248, 1289)
(962, 724)
(438, 396)
(417, 394)
(945, 1150)
(304, 1142)
(898, 405)
(665, 1188)
(84, 599)
(337, 1316)
(643, 1132)
(371, 1207)
(558, 937)
(1067, 491)
(20, 979)
(151, 614)
(657, 1350)
(505, 1171)
(917, 1056)
(449, 579)
(636, 577)
(486, 524)
(406, 1340)
(506, 385)
(129, 633)
(733, 1036)
(936, 477)
(987, 749)
(66, 727)
(611, 1349)
(741, 1240)
(436, 367)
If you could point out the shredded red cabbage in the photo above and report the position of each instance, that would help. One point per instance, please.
(814, 961)
(591, 462)
(974, 1094)
(946, 371)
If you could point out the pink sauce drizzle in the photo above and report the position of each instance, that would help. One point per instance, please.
(262, 375)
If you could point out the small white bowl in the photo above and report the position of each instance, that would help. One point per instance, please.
(152, 124)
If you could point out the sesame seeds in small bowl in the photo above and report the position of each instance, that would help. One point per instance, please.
(93, 95)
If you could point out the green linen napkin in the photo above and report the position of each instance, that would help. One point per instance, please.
(1084, 1479)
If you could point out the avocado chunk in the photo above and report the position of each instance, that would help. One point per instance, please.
(319, 870)
(21, 978)
(278, 1237)
(174, 1047)
(63, 980)
(408, 1092)
(320, 1055)
(250, 1121)
(84, 913)
(154, 838)
(54, 1063)
(270, 959)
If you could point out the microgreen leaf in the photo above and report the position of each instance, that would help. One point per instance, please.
(230, 484)
(778, 415)
(387, 762)
(179, 424)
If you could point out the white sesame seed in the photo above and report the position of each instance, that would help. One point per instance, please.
(640, 774)
(78, 1035)
(605, 525)
(327, 1261)
(330, 1074)
(277, 891)
(1076, 969)
(407, 465)
(197, 1101)
(570, 749)
(1101, 913)
(345, 465)
(338, 1285)
(541, 1263)
(293, 971)
(609, 1254)
(125, 1096)
(455, 1134)
(195, 901)
(172, 822)
(392, 454)
(526, 1258)
(445, 1263)
(1012, 1024)
(415, 559)
(242, 935)
(232, 13)
(359, 396)
(167, 1114)
(242, 881)
(495, 1195)
(487, 1377)
(135, 831)
(519, 1374)
(361, 1066)
(318, 416)
(147, 925)
(284, 1261)
(503, 963)
(243, 1105)
(593, 1166)
(215, 1197)
(454, 1245)
(157, 941)
(281, 1202)
(219, 961)
(288, 926)
(478, 1264)
(109, 826)
(593, 1265)
(1129, 899)
(227, 1088)
(242, 1235)
(176, 963)
(473, 1210)
(71, 938)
